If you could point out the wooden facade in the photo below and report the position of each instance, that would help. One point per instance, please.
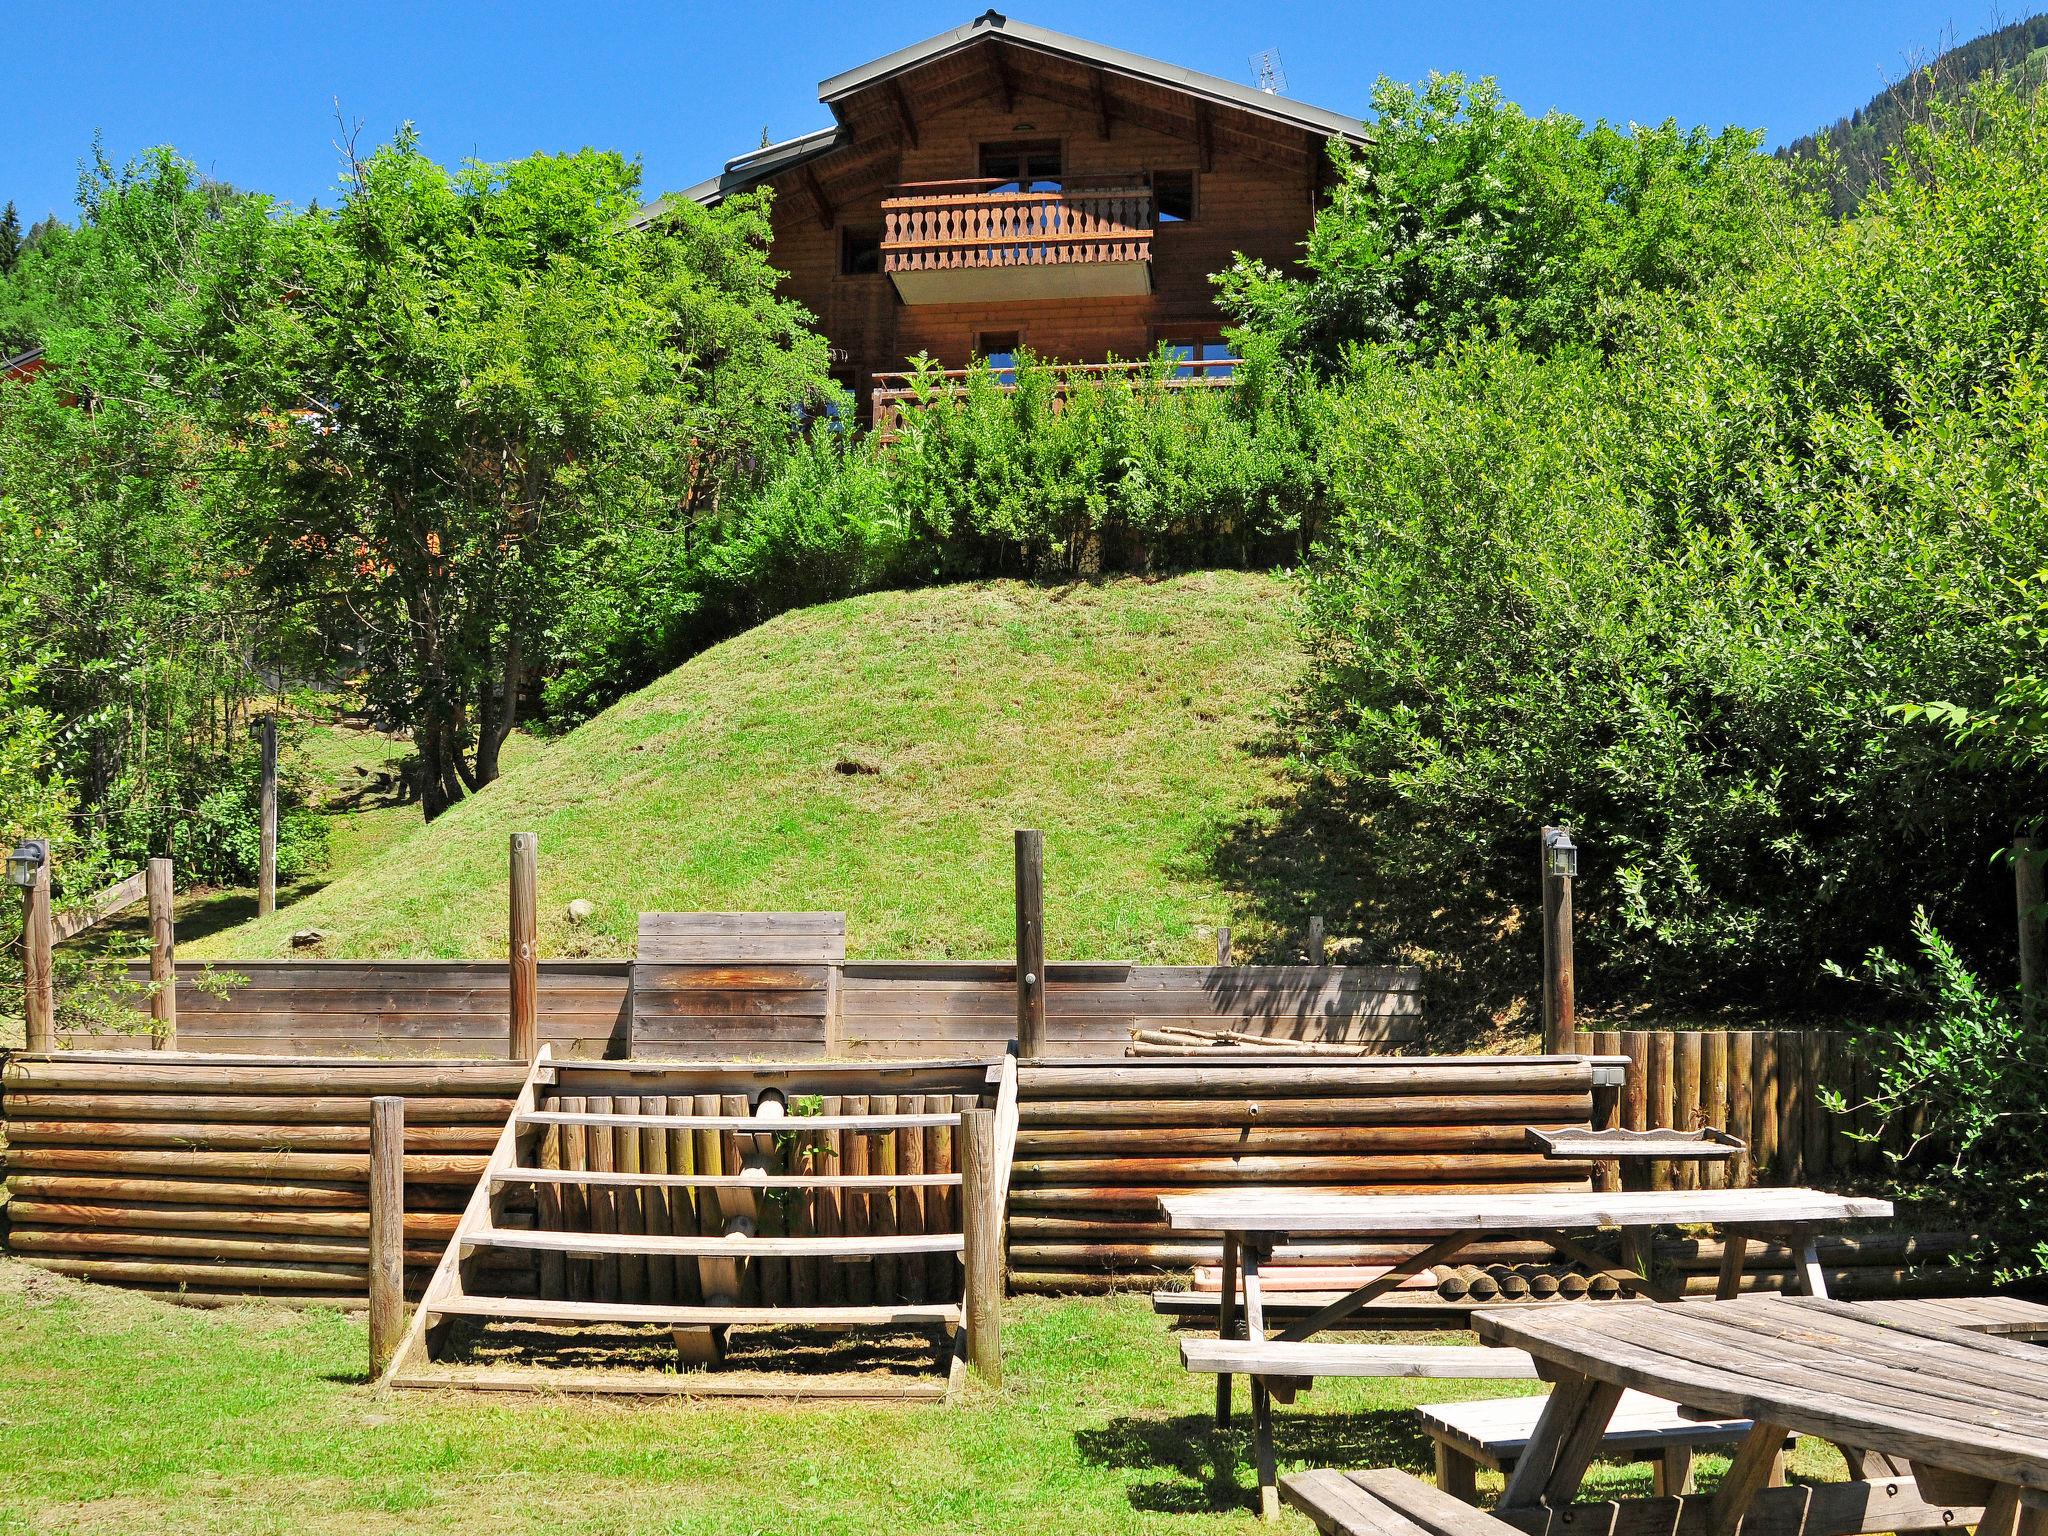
(1001, 187)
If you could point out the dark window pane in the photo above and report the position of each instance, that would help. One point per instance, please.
(860, 253)
(1173, 195)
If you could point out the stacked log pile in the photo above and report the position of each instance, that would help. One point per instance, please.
(215, 1177)
(1100, 1141)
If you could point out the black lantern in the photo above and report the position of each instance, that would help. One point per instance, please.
(1560, 854)
(29, 855)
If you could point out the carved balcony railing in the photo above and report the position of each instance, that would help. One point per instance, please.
(942, 240)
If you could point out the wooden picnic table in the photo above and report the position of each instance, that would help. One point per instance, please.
(1948, 1427)
(1251, 1222)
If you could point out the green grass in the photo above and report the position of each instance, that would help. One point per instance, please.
(873, 756)
(119, 1413)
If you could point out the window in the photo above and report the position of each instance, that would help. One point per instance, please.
(1173, 196)
(860, 253)
(1188, 351)
(1033, 166)
(1000, 349)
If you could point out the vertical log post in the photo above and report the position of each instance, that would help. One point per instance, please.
(1223, 945)
(981, 1215)
(38, 974)
(522, 947)
(1315, 940)
(2030, 892)
(1030, 943)
(266, 854)
(1559, 981)
(387, 1230)
(163, 966)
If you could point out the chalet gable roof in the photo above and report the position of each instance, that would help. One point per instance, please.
(874, 93)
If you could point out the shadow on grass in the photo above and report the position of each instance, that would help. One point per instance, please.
(1209, 1469)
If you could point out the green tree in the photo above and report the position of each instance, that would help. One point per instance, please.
(10, 239)
(467, 379)
(1462, 216)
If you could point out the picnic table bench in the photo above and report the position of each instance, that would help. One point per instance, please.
(1252, 1222)
(1964, 1412)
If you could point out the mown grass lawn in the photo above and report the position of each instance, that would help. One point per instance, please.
(121, 1414)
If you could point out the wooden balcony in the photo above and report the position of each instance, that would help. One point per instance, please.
(955, 242)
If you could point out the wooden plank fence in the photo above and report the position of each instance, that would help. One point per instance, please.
(1759, 1085)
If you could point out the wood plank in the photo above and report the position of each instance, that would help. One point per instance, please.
(534, 1310)
(1300, 1213)
(721, 1181)
(768, 1125)
(1273, 1357)
(608, 1243)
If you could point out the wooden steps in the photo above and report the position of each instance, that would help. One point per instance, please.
(535, 1310)
(725, 1180)
(576, 1206)
(615, 1243)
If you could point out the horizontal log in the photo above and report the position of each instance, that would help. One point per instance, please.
(226, 1246)
(420, 1109)
(1180, 1253)
(254, 1277)
(427, 1168)
(1236, 1141)
(1294, 1079)
(1450, 1166)
(1447, 1108)
(173, 1133)
(305, 1195)
(424, 1225)
(152, 1073)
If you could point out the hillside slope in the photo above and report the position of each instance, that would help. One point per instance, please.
(1861, 141)
(873, 756)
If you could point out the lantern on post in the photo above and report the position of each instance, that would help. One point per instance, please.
(28, 866)
(29, 855)
(1560, 865)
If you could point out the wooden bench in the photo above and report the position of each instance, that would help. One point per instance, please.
(1494, 1432)
(1302, 1362)
(1385, 1503)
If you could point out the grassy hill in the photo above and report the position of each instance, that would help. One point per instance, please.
(873, 756)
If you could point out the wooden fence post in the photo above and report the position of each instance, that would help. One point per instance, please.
(38, 975)
(387, 1230)
(163, 967)
(1607, 1110)
(1030, 857)
(1742, 1106)
(981, 1216)
(1315, 940)
(1559, 980)
(2030, 893)
(522, 947)
(266, 853)
(1685, 1100)
(1223, 945)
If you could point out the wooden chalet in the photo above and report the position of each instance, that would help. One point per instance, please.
(1001, 186)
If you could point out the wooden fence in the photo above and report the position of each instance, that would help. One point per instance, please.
(221, 1176)
(1760, 1085)
(1099, 1141)
(738, 1008)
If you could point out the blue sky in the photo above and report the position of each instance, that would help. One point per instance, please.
(249, 91)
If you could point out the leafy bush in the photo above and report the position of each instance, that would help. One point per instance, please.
(1673, 595)
(1960, 1094)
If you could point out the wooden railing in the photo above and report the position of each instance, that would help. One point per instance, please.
(896, 392)
(939, 226)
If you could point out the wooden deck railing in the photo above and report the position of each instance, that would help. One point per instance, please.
(895, 392)
(938, 226)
